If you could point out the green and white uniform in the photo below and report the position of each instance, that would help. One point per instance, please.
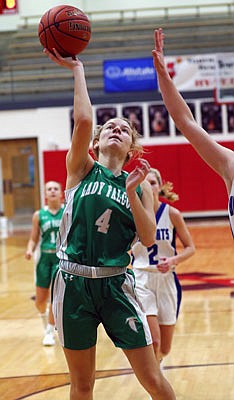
(48, 260)
(94, 240)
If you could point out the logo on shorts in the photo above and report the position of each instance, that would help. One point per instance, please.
(68, 277)
(131, 321)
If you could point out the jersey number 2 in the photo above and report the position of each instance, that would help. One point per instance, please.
(152, 253)
(103, 221)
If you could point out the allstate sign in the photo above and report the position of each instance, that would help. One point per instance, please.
(129, 75)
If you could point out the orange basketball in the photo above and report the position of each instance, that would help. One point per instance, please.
(65, 28)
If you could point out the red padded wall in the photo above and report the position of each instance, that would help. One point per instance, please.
(54, 163)
(199, 187)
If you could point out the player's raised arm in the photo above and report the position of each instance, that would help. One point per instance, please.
(78, 159)
(218, 157)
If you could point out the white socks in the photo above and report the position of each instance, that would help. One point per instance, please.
(44, 318)
(50, 328)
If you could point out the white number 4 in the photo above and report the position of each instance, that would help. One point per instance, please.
(103, 221)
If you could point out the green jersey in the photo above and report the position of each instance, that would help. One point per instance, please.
(97, 227)
(49, 226)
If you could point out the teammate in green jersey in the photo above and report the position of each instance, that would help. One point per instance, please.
(105, 209)
(45, 226)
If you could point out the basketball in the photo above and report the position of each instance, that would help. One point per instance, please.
(65, 28)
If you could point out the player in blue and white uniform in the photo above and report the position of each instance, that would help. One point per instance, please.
(157, 285)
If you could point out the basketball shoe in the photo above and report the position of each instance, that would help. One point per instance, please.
(48, 339)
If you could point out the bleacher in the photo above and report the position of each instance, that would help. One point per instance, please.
(26, 73)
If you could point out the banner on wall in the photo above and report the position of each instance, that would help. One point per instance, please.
(198, 72)
(189, 73)
(129, 75)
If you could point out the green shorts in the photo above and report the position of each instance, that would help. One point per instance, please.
(80, 304)
(45, 269)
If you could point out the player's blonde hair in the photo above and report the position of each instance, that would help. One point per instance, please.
(136, 149)
(166, 190)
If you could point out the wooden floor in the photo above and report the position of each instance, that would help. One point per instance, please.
(201, 363)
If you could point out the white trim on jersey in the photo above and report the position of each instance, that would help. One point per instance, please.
(57, 304)
(66, 223)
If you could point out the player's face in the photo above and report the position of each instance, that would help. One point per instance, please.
(152, 179)
(53, 190)
(116, 134)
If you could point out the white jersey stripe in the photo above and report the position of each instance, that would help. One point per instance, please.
(57, 304)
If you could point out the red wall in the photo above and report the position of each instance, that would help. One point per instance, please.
(199, 187)
(54, 162)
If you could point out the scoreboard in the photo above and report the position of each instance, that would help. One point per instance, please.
(8, 6)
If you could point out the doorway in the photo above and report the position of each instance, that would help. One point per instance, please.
(20, 177)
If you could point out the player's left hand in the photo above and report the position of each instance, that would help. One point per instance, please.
(137, 176)
(166, 264)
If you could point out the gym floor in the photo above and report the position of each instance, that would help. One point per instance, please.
(199, 367)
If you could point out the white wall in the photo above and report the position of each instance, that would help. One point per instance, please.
(29, 7)
(90, 5)
(37, 8)
(51, 126)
